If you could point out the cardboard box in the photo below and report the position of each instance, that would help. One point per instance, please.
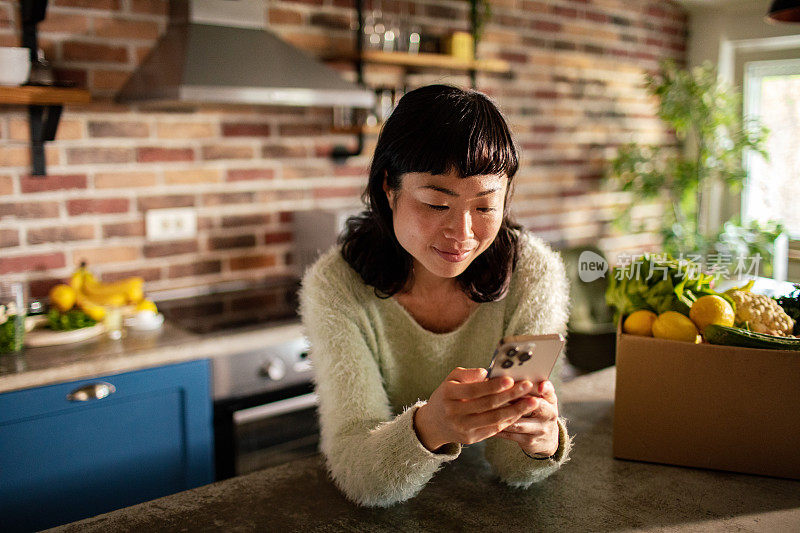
(707, 406)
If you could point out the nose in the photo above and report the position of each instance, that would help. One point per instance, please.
(459, 225)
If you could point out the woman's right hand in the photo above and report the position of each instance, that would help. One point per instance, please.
(467, 408)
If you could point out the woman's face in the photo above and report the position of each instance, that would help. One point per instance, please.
(445, 221)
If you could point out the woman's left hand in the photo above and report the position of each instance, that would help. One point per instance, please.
(537, 432)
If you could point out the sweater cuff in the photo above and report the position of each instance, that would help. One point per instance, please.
(517, 469)
(448, 452)
(564, 445)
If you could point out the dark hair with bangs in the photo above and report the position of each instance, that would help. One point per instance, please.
(435, 129)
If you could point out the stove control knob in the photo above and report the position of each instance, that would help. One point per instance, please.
(274, 369)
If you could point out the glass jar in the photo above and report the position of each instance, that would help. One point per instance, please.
(12, 317)
(113, 322)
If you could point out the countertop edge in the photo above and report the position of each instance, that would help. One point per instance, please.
(193, 348)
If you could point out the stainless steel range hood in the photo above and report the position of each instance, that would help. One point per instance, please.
(220, 52)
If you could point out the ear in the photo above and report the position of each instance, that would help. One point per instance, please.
(389, 192)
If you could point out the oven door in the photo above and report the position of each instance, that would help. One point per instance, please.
(259, 432)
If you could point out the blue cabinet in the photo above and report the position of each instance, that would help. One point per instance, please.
(62, 459)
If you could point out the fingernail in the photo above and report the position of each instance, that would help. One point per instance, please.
(526, 385)
(541, 386)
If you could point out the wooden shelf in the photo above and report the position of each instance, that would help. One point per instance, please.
(45, 105)
(424, 60)
(355, 130)
(32, 95)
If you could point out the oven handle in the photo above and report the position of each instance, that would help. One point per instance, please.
(278, 408)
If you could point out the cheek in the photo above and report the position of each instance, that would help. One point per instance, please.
(488, 228)
(412, 222)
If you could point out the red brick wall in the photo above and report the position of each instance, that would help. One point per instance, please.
(575, 94)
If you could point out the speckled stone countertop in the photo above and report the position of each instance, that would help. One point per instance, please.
(592, 492)
(136, 350)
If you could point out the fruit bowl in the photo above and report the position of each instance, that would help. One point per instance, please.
(41, 336)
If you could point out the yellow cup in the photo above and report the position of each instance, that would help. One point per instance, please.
(460, 44)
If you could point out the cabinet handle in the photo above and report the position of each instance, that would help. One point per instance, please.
(92, 391)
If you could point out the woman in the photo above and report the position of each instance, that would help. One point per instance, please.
(404, 315)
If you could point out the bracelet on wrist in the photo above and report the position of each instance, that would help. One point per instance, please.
(538, 457)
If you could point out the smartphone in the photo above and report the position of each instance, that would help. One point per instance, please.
(530, 357)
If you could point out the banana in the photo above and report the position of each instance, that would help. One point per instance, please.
(117, 293)
(94, 310)
(76, 280)
(116, 299)
(130, 288)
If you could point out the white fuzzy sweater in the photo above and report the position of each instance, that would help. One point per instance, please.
(374, 365)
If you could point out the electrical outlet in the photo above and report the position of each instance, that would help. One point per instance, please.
(171, 224)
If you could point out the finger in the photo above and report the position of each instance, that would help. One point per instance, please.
(493, 401)
(530, 426)
(543, 410)
(516, 437)
(547, 391)
(503, 415)
(467, 375)
(540, 442)
(533, 445)
(468, 391)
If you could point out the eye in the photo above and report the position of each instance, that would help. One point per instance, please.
(437, 207)
(486, 209)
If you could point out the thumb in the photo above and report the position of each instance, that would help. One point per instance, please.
(467, 375)
(547, 392)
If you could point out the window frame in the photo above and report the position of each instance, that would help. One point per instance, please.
(754, 72)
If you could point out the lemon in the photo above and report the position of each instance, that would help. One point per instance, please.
(640, 323)
(675, 326)
(63, 297)
(711, 309)
(146, 305)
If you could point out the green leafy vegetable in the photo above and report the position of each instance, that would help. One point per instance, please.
(659, 283)
(791, 304)
(72, 319)
(12, 333)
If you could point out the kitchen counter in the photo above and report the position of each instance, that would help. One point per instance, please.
(137, 350)
(592, 492)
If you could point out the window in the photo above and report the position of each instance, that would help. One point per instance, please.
(772, 94)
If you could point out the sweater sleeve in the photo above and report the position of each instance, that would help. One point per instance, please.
(539, 305)
(373, 456)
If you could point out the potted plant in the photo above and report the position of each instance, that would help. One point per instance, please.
(705, 116)
(480, 12)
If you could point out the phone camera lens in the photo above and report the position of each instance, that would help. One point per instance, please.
(508, 363)
(512, 352)
(524, 356)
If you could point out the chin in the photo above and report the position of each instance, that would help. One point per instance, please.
(444, 269)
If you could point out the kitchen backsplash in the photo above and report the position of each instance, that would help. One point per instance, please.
(575, 94)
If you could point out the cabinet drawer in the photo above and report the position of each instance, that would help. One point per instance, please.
(63, 460)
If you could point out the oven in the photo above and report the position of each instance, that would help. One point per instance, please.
(264, 401)
(264, 408)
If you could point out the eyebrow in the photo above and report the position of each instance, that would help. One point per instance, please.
(453, 193)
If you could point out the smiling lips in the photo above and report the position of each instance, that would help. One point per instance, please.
(452, 257)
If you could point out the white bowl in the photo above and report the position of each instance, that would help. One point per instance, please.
(145, 321)
(15, 65)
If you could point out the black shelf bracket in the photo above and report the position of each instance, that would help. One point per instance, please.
(43, 119)
(43, 122)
